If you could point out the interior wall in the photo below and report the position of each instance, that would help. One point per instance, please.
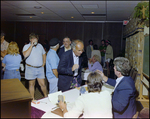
(19, 32)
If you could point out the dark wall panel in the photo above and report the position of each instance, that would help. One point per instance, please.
(56, 30)
(19, 31)
(40, 29)
(92, 31)
(74, 30)
(23, 29)
(8, 29)
(113, 32)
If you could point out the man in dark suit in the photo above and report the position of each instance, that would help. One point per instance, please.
(66, 47)
(123, 98)
(69, 68)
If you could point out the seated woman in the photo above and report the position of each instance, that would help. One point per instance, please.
(96, 51)
(94, 64)
(95, 103)
(12, 61)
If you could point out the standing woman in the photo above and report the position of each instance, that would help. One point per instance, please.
(12, 61)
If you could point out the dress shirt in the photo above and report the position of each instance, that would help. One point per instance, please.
(118, 81)
(52, 61)
(76, 61)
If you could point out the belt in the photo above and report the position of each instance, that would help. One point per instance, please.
(33, 66)
(13, 69)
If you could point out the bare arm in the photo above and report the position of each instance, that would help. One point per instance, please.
(28, 51)
(3, 53)
(44, 60)
(3, 65)
(55, 72)
(63, 107)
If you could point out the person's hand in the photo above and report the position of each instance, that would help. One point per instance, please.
(100, 72)
(62, 105)
(32, 43)
(102, 75)
(43, 64)
(90, 60)
(75, 66)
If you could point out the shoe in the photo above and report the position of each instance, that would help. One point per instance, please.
(34, 101)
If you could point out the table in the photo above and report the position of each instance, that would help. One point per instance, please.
(15, 99)
(70, 97)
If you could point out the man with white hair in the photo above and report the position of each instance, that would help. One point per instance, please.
(52, 61)
(69, 68)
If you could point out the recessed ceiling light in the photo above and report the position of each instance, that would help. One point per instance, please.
(92, 12)
(37, 7)
(42, 12)
(72, 17)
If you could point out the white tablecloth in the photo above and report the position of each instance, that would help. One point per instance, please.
(70, 97)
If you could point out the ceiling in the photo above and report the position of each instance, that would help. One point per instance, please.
(62, 11)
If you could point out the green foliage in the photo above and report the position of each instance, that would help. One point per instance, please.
(138, 11)
(147, 13)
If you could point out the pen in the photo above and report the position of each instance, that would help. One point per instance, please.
(43, 102)
(54, 107)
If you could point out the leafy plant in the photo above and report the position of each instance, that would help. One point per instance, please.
(142, 11)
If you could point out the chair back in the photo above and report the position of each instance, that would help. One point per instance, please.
(134, 75)
(131, 71)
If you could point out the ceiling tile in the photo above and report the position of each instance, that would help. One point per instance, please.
(63, 10)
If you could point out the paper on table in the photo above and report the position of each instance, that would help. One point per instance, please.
(54, 97)
(44, 105)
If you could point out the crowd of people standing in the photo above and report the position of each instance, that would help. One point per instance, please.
(63, 72)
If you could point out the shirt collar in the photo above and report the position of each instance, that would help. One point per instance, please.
(119, 79)
(67, 49)
(52, 50)
(74, 55)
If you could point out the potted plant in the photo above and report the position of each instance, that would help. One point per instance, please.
(142, 12)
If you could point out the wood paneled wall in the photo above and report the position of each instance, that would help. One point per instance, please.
(19, 32)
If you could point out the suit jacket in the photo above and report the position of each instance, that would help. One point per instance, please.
(88, 51)
(61, 51)
(123, 98)
(65, 73)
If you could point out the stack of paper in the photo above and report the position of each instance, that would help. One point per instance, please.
(53, 97)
